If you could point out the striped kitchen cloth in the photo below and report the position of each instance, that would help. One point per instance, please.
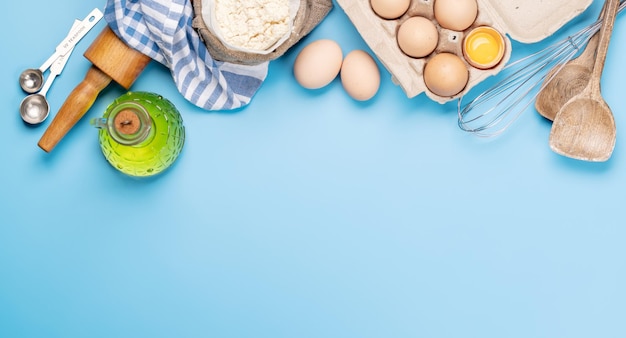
(161, 29)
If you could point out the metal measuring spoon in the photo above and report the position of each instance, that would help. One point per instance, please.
(31, 80)
(34, 108)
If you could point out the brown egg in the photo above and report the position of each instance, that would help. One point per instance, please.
(446, 74)
(456, 15)
(417, 37)
(360, 76)
(318, 64)
(390, 9)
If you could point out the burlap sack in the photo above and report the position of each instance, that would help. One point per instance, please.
(309, 15)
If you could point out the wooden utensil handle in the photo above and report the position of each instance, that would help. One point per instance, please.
(75, 106)
(608, 21)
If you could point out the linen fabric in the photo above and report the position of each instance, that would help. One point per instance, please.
(162, 30)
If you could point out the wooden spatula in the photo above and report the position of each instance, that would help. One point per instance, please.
(111, 59)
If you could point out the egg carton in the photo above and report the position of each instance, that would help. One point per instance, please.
(525, 21)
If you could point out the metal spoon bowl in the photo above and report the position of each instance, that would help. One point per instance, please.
(31, 80)
(34, 108)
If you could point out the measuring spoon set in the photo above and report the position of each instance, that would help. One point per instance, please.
(34, 108)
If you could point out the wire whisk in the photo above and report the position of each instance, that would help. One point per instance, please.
(493, 111)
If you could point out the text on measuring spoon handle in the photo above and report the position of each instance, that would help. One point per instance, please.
(76, 33)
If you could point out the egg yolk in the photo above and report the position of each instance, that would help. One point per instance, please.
(483, 47)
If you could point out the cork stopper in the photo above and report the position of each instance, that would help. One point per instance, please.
(127, 122)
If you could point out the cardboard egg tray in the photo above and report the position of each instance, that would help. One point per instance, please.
(525, 21)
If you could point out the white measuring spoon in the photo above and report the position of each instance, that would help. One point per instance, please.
(34, 108)
(31, 80)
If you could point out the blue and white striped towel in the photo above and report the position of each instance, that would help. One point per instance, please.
(161, 29)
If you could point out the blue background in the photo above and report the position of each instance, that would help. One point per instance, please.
(305, 214)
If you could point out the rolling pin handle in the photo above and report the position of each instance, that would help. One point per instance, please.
(75, 106)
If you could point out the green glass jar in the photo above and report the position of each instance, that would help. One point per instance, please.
(141, 133)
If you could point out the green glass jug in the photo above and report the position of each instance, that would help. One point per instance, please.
(141, 133)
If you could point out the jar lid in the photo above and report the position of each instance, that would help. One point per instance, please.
(129, 123)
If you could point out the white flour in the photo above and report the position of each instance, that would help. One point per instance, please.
(252, 24)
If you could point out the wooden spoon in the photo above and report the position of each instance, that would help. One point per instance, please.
(112, 59)
(570, 79)
(584, 128)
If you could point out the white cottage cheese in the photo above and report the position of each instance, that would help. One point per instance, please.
(252, 24)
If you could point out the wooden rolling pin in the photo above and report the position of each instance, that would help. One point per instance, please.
(111, 59)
